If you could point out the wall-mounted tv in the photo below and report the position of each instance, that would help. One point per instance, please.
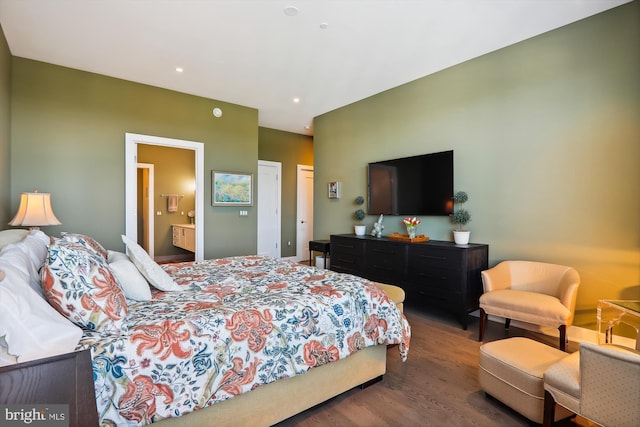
(417, 185)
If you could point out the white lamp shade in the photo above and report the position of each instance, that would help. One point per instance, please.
(35, 210)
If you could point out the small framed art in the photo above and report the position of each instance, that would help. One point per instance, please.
(231, 189)
(334, 190)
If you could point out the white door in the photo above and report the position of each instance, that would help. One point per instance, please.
(269, 208)
(304, 217)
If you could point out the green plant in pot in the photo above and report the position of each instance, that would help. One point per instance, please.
(358, 215)
(460, 218)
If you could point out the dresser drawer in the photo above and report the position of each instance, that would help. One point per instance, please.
(347, 255)
(345, 246)
(425, 257)
(385, 262)
(439, 286)
(346, 264)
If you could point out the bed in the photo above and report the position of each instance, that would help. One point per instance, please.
(245, 340)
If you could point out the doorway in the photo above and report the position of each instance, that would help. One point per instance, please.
(304, 215)
(131, 183)
(269, 204)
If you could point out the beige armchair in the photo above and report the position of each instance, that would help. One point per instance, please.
(598, 382)
(533, 292)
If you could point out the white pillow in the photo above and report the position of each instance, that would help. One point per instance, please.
(31, 328)
(113, 256)
(35, 247)
(27, 257)
(149, 268)
(11, 236)
(133, 285)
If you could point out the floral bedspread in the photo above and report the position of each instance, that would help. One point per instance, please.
(240, 322)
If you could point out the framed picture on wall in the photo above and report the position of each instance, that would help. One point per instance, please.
(334, 190)
(231, 189)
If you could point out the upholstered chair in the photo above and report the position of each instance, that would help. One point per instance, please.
(533, 292)
(598, 382)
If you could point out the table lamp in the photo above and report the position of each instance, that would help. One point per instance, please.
(34, 211)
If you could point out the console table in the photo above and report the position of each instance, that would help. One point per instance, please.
(320, 246)
(611, 313)
(432, 273)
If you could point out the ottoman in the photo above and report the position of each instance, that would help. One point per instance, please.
(511, 370)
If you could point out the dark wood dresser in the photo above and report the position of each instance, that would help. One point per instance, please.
(433, 273)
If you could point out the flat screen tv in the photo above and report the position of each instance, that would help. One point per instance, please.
(417, 185)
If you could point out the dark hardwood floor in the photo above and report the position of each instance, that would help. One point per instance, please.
(436, 386)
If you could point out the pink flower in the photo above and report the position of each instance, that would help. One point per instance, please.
(411, 222)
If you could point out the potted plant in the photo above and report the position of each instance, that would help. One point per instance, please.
(460, 218)
(359, 215)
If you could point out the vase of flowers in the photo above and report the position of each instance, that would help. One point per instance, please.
(411, 224)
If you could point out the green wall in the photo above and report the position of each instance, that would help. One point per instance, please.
(68, 132)
(174, 173)
(290, 149)
(546, 139)
(5, 130)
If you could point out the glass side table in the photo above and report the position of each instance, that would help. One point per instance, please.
(613, 312)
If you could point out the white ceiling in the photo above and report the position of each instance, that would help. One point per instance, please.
(249, 52)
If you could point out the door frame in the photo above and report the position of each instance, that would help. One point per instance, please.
(151, 207)
(131, 178)
(278, 167)
(300, 253)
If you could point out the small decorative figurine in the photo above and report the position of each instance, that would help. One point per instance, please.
(378, 227)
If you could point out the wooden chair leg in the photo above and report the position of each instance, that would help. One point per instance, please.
(563, 337)
(483, 324)
(549, 413)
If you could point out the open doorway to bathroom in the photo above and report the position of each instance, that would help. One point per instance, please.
(132, 142)
(171, 200)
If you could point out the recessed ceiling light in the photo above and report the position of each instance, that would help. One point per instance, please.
(296, 100)
(291, 11)
(179, 69)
